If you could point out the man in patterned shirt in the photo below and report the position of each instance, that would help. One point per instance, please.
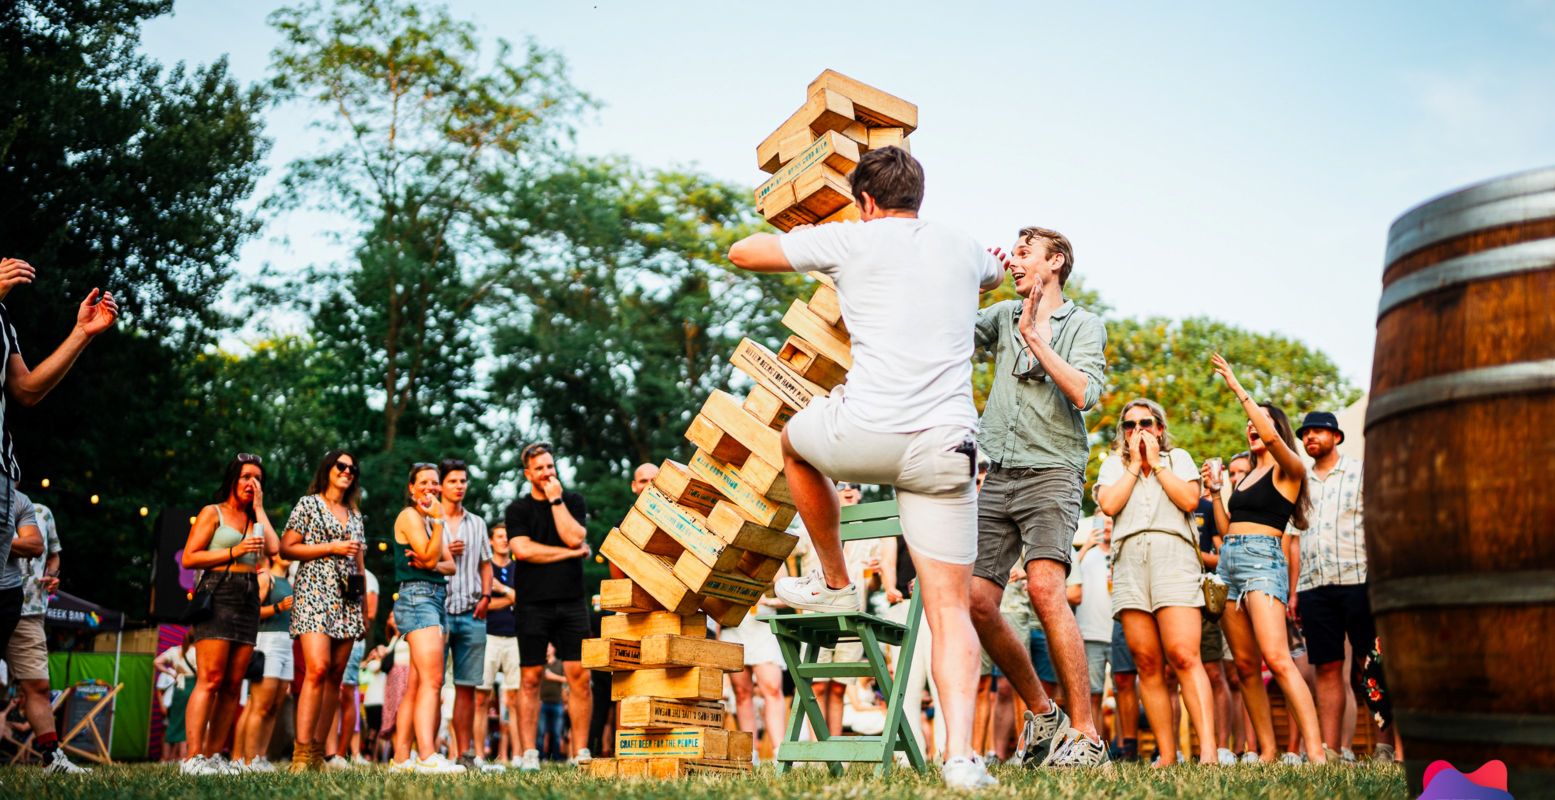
(1331, 591)
(469, 595)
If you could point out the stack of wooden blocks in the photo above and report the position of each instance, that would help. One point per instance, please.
(706, 539)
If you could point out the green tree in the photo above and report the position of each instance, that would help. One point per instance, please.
(417, 120)
(116, 172)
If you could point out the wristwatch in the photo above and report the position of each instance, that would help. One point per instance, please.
(556, 502)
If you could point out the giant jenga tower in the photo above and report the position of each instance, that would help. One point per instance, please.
(707, 538)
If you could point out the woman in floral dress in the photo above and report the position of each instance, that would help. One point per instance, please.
(325, 537)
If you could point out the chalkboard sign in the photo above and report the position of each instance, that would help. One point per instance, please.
(87, 695)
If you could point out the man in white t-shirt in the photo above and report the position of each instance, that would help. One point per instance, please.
(1090, 595)
(909, 294)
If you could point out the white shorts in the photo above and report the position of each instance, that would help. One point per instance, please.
(934, 484)
(277, 647)
(761, 646)
(501, 657)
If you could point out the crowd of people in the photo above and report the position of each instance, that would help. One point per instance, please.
(481, 666)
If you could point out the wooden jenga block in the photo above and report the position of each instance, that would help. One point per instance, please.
(768, 407)
(691, 651)
(647, 535)
(811, 364)
(739, 746)
(677, 683)
(725, 612)
(832, 149)
(687, 527)
(759, 567)
(888, 137)
(673, 743)
(823, 111)
(706, 581)
(858, 133)
(848, 213)
(707, 436)
(764, 367)
(871, 106)
(636, 626)
(685, 489)
(831, 343)
(767, 477)
(611, 655)
(653, 573)
(624, 596)
(636, 769)
(659, 713)
(827, 305)
(819, 192)
(754, 503)
(661, 769)
(723, 410)
(730, 523)
(603, 768)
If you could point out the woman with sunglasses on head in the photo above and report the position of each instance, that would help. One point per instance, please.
(422, 563)
(225, 542)
(1149, 489)
(256, 724)
(325, 537)
(1255, 566)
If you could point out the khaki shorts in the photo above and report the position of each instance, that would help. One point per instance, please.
(501, 656)
(1153, 570)
(28, 652)
(934, 488)
(844, 652)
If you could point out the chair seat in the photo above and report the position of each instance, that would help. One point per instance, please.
(827, 628)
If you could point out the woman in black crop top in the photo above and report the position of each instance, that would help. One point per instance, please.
(1259, 563)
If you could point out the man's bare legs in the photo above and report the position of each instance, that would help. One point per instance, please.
(1045, 581)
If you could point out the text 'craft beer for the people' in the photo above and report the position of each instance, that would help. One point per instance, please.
(1460, 479)
(705, 540)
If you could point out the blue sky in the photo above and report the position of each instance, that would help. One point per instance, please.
(1239, 160)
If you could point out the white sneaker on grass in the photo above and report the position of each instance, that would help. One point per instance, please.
(582, 758)
(812, 594)
(437, 764)
(337, 762)
(967, 773)
(198, 765)
(1225, 757)
(358, 761)
(1079, 750)
(59, 762)
(222, 765)
(1292, 759)
(482, 765)
(531, 761)
(1040, 735)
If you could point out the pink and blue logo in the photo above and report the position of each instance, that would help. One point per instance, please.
(1443, 781)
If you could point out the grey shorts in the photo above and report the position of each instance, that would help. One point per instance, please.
(1024, 515)
(1096, 659)
(934, 490)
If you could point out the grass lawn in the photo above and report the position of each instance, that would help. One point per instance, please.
(1131, 781)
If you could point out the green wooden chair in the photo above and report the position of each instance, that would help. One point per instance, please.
(801, 637)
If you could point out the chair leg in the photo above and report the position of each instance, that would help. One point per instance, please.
(805, 704)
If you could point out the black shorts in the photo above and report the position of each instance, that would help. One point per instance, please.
(563, 624)
(10, 614)
(1331, 613)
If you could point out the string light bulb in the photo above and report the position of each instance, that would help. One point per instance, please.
(45, 483)
(383, 546)
(95, 499)
(145, 511)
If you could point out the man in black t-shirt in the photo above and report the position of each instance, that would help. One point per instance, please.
(547, 539)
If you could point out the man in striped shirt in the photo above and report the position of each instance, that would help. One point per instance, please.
(469, 594)
(28, 386)
(1331, 591)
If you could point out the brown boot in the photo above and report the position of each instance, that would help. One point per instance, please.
(299, 757)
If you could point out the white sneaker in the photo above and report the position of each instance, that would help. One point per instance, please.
(531, 761)
(1040, 735)
(812, 594)
(1292, 759)
(1080, 750)
(967, 773)
(1383, 754)
(222, 765)
(59, 762)
(198, 765)
(260, 764)
(358, 761)
(482, 765)
(1347, 755)
(582, 758)
(407, 765)
(1250, 757)
(336, 762)
(1225, 757)
(437, 764)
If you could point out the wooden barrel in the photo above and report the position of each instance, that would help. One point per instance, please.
(1460, 479)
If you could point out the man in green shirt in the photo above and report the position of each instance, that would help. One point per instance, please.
(1049, 356)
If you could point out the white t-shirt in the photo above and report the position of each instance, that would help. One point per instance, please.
(909, 290)
(1094, 614)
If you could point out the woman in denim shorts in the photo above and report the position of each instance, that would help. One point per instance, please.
(1259, 562)
(422, 566)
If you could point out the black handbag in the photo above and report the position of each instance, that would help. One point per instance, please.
(256, 667)
(202, 604)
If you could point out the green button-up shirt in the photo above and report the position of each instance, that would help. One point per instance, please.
(1030, 424)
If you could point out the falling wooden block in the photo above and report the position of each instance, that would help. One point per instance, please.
(690, 651)
(755, 504)
(676, 743)
(824, 111)
(706, 581)
(858, 133)
(888, 137)
(827, 340)
(725, 612)
(624, 596)
(848, 213)
(827, 305)
(636, 626)
(611, 655)
(811, 364)
(709, 437)
(768, 478)
(653, 573)
(683, 488)
(657, 713)
(688, 528)
(730, 523)
(819, 192)
(770, 373)
(647, 536)
(871, 106)
(759, 567)
(832, 149)
(723, 410)
(677, 683)
(768, 407)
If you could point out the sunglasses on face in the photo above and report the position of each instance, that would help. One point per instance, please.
(1144, 424)
(346, 467)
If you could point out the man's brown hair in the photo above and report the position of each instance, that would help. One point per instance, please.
(891, 176)
(1053, 242)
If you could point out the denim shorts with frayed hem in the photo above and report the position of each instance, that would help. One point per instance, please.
(421, 606)
(1254, 563)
